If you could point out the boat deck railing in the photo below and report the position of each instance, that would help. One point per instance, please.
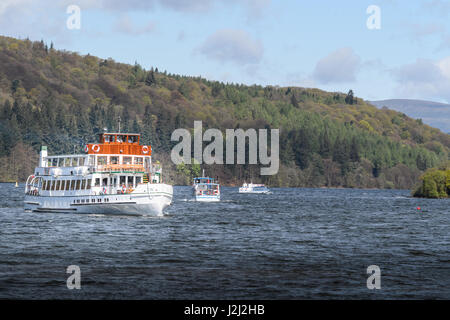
(120, 168)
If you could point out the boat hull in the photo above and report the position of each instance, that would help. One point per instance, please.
(248, 190)
(207, 198)
(152, 202)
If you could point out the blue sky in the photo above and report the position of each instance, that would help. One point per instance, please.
(324, 43)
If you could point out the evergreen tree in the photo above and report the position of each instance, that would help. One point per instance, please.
(349, 98)
(354, 151)
(150, 79)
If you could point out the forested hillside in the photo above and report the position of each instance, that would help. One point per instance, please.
(63, 99)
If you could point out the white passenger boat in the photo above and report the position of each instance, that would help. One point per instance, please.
(253, 188)
(114, 176)
(206, 189)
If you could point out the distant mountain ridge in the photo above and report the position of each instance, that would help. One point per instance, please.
(435, 114)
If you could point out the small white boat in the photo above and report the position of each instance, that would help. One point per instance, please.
(206, 189)
(254, 188)
(17, 184)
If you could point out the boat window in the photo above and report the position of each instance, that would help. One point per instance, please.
(138, 161)
(104, 182)
(81, 162)
(107, 138)
(138, 180)
(114, 160)
(67, 162)
(101, 161)
(72, 184)
(54, 162)
(78, 184)
(91, 160)
(130, 181)
(122, 180)
(66, 184)
(126, 160)
(75, 162)
(121, 138)
(89, 183)
(97, 182)
(83, 184)
(44, 185)
(58, 185)
(49, 162)
(132, 139)
(114, 181)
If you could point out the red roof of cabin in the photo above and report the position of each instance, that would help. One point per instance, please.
(118, 143)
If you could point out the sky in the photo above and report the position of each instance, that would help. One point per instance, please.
(399, 50)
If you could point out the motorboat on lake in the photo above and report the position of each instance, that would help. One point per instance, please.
(206, 189)
(254, 188)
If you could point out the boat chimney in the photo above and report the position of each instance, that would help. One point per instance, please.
(42, 155)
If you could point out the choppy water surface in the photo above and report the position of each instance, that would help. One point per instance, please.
(292, 244)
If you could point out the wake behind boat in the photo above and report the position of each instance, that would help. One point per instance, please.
(114, 176)
(254, 188)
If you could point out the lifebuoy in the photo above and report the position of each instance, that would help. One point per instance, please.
(145, 149)
(96, 148)
(86, 148)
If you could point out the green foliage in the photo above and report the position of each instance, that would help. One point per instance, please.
(435, 183)
(62, 99)
(188, 171)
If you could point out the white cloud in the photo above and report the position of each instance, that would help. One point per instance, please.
(254, 8)
(425, 79)
(340, 66)
(230, 45)
(125, 25)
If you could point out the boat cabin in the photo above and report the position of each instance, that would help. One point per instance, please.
(117, 162)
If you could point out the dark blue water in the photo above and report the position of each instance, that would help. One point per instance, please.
(293, 244)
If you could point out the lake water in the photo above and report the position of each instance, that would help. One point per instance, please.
(292, 244)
